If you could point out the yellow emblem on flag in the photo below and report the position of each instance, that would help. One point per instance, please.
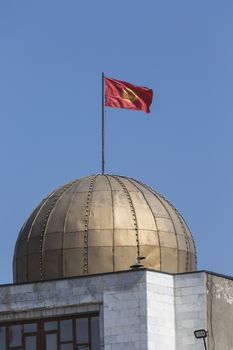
(129, 95)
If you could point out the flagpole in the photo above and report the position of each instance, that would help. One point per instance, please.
(103, 161)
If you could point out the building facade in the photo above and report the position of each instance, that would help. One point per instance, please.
(140, 310)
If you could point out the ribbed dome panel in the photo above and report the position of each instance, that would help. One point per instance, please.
(102, 223)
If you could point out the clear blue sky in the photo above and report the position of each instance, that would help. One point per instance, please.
(52, 54)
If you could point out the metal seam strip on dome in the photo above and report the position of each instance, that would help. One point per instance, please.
(182, 225)
(65, 222)
(19, 239)
(58, 194)
(102, 229)
(113, 224)
(15, 250)
(155, 221)
(158, 197)
(44, 226)
(185, 233)
(188, 261)
(40, 207)
(86, 222)
(182, 218)
(29, 234)
(132, 212)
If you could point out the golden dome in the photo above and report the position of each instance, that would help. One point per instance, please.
(102, 223)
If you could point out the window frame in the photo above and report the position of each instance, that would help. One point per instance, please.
(41, 332)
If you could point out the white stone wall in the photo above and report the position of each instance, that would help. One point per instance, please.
(176, 306)
(160, 311)
(125, 320)
(220, 312)
(190, 309)
(139, 310)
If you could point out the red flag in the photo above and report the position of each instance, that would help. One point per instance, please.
(125, 95)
